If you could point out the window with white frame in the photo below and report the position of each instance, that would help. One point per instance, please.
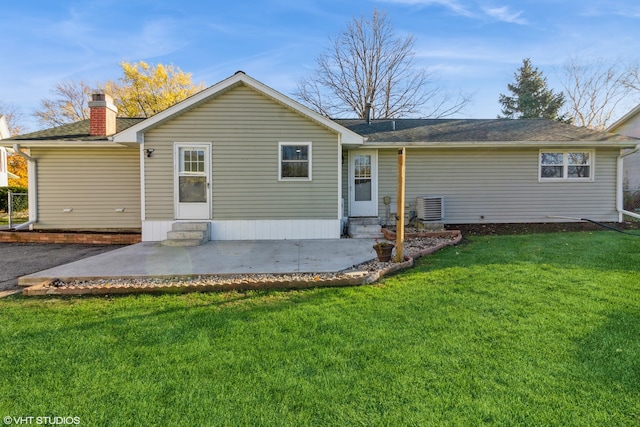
(294, 161)
(566, 165)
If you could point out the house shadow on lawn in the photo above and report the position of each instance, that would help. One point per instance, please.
(604, 251)
(610, 354)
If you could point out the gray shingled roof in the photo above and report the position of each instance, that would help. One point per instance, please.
(474, 130)
(78, 131)
(406, 131)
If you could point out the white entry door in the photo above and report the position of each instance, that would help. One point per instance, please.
(363, 183)
(192, 181)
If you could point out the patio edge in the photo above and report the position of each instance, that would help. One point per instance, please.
(356, 278)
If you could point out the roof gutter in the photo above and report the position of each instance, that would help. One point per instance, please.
(33, 188)
(497, 144)
(620, 184)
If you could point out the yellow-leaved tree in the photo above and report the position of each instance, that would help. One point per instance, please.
(17, 165)
(147, 89)
(142, 91)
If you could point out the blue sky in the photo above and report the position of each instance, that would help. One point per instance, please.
(474, 45)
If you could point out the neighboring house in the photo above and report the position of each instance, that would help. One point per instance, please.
(629, 125)
(257, 165)
(4, 153)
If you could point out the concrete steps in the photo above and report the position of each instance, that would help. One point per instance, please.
(188, 234)
(365, 228)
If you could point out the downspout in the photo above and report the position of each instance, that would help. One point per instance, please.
(619, 189)
(33, 188)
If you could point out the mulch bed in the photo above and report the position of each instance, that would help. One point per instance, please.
(529, 228)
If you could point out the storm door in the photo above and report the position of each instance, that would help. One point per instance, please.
(363, 183)
(192, 181)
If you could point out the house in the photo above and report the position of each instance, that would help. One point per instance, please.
(4, 153)
(629, 125)
(4, 171)
(254, 164)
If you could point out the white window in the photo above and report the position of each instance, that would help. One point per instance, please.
(561, 165)
(294, 161)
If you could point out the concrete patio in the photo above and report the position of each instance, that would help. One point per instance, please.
(150, 259)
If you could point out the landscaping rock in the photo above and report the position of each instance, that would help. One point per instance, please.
(361, 274)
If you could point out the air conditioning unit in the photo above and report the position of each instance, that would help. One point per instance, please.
(430, 208)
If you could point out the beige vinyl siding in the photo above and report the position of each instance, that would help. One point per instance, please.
(500, 185)
(94, 182)
(632, 162)
(630, 128)
(244, 129)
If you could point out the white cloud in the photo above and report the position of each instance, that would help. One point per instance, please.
(453, 5)
(505, 15)
(611, 8)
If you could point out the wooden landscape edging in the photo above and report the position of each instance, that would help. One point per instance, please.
(46, 288)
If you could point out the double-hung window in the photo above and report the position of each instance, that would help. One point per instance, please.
(294, 161)
(566, 165)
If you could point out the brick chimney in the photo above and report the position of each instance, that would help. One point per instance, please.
(102, 116)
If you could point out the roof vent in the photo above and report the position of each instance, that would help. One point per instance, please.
(367, 112)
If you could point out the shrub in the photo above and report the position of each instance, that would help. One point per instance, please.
(20, 203)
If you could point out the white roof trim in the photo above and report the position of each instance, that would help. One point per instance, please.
(624, 119)
(60, 143)
(135, 133)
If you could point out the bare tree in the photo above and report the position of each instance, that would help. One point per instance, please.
(13, 115)
(593, 90)
(631, 79)
(70, 105)
(368, 64)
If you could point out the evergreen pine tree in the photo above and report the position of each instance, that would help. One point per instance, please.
(531, 96)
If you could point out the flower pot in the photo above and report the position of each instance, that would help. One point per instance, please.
(384, 252)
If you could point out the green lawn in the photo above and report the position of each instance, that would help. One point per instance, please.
(530, 330)
(18, 217)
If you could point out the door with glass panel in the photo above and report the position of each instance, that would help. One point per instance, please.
(192, 181)
(363, 183)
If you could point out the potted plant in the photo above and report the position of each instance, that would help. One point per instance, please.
(383, 249)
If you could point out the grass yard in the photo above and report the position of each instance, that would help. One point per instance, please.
(18, 217)
(531, 330)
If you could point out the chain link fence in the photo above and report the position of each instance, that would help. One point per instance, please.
(15, 209)
(631, 201)
(631, 183)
